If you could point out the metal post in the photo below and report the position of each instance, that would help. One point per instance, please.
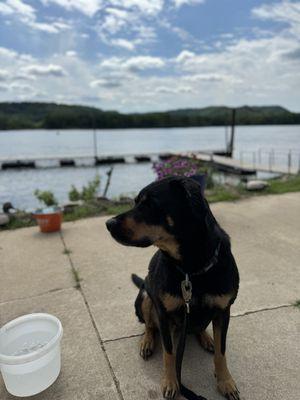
(95, 145)
(299, 164)
(231, 143)
(273, 157)
(270, 161)
(254, 159)
(241, 157)
(259, 156)
(289, 161)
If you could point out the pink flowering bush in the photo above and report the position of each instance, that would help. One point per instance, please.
(178, 166)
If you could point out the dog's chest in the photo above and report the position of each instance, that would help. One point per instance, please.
(173, 303)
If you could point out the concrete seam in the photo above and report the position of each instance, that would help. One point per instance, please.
(232, 316)
(37, 295)
(261, 310)
(116, 382)
(123, 337)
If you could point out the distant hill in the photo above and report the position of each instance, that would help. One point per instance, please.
(60, 116)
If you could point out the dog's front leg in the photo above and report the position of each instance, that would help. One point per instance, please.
(225, 383)
(169, 382)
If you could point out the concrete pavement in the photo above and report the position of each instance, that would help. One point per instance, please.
(100, 346)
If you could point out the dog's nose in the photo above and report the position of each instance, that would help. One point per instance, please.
(111, 223)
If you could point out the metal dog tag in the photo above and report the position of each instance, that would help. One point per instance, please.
(186, 288)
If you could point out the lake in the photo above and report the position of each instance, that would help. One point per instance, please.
(18, 186)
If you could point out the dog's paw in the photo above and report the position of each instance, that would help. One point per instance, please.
(147, 346)
(169, 387)
(206, 341)
(228, 389)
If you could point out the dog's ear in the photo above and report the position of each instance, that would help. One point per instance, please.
(180, 188)
(189, 192)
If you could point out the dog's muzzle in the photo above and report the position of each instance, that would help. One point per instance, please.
(111, 224)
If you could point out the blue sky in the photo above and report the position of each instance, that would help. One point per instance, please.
(142, 55)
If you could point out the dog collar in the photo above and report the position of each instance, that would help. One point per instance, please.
(211, 263)
(186, 284)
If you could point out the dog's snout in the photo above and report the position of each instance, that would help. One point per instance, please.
(111, 223)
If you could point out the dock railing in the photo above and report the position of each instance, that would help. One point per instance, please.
(271, 159)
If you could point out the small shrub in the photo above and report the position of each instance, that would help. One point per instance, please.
(74, 194)
(88, 193)
(46, 197)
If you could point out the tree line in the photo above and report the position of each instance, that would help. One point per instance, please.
(57, 116)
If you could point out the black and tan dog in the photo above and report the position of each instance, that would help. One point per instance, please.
(173, 215)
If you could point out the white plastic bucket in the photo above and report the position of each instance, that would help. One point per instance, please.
(30, 353)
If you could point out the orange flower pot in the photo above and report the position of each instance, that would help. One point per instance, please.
(49, 221)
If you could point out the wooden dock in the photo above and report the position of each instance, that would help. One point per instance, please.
(218, 159)
(55, 161)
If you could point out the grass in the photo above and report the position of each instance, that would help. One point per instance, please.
(284, 185)
(218, 193)
(16, 223)
(67, 251)
(222, 193)
(77, 278)
(92, 210)
(297, 303)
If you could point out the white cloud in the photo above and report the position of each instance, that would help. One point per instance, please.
(133, 64)
(185, 55)
(287, 11)
(150, 7)
(18, 7)
(7, 53)
(45, 70)
(128, 17)
(166, 90)
(109, 83)
(3, 75)
(3, 88)
(284, 11)
(180, 3)
(91, 7)
(123, 43)
(71, 53)
(141, 63)
(206, 78)
(26, 14)
(113, 23)
(21, 88)
(5, 9)
(87, 7)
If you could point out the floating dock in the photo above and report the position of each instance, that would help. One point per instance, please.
(54, 161)
(218, 159)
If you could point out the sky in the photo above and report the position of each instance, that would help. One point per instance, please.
(148, 55)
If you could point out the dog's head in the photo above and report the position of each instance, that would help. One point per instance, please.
(164, 211)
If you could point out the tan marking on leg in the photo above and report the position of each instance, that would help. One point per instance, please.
(206, 341)
(222, 301)
(225, 383)
(148, 340)
(169, 383)
(171, 303)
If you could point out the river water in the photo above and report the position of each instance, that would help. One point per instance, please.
(18, 186)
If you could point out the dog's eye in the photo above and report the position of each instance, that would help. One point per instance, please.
(152, 204)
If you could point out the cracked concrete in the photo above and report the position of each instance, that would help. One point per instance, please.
(100, 345)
